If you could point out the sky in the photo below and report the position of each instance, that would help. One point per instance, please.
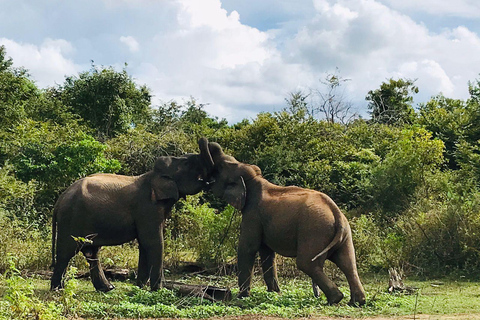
(242, 57)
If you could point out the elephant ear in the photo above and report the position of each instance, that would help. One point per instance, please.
(164, 188)
(236, 193)
(163, 185)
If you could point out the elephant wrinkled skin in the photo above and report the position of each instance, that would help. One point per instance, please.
(108, 209)
(290, 221)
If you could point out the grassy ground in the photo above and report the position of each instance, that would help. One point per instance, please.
(31, 298)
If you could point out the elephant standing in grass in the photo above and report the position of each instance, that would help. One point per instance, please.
(291, 221)
(108, 209)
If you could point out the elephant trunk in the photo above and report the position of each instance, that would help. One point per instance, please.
(205, 152)
(218, 155)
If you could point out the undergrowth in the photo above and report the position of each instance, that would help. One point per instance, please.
(30, 299)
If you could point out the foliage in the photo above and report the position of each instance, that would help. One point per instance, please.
(27, 242)
(22, 301)
(17, 198)
(16, 90)
(189, 118)
(405, 167)
(392, 103)
(332, 102)
(137, 149)
(110, 102)
(296, 300)
(201, 231)
(409, 182)
(52, 156)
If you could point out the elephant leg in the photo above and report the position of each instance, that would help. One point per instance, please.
(315, 271)
(99, 280)
(153, 246)
(143, 270)
(269, 268)
(344, 258)
(246, 259)
(64, 253)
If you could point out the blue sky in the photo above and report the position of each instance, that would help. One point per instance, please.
(241, 57)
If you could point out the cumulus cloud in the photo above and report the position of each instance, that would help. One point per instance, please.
(215, 58)
(131, 43)
(183, 48)
(461, 8)
(47, 63)
(371, 42)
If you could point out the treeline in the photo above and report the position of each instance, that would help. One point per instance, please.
(408, 178)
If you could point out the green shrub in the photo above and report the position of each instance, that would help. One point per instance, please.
(17, 198)
(195, 231)
(443, 229)
(395, 180)
(22, 301)
(30, 246)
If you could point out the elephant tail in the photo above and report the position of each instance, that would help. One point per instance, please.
(54, 235)
(339, 231)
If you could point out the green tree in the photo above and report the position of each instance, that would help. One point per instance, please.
(392, 102)
(53, 156)
(16, 91)
(110, 102)
(411, 159)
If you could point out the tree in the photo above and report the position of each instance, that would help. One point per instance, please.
(392, 103)
(16, 91)
(332, 103)
(5, 63)
(110, 102)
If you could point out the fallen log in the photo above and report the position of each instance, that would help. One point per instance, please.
(211, 293)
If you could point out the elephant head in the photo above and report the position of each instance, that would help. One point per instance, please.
(174, 177)
(230, 176)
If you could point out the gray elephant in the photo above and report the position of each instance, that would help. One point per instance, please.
(108, 209)
(291, 221)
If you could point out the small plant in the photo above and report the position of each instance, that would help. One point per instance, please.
(23, 304)
(68, 297)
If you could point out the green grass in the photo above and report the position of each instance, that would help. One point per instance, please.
(296, 300)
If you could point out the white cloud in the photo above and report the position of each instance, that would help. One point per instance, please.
(213, 57)
(371, 42)
(183, 48)
(46, 63)
(461, 8)
(131, 43)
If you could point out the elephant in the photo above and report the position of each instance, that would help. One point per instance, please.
(290, 221)
(108, 209)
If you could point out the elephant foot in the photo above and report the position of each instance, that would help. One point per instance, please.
(335, 298)
(106, 288)
(316, 290)
(357, 301)
(243, 294)
(56, 288)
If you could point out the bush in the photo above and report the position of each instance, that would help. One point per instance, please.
(138, 149)
(30, 246)
(377, 249)
(17, 198)
(405, 168)
(442, 229)
(53, 156)
(196, 232)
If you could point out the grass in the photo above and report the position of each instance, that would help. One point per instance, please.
(296, 300)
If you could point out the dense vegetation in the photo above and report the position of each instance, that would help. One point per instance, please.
(408, 178)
